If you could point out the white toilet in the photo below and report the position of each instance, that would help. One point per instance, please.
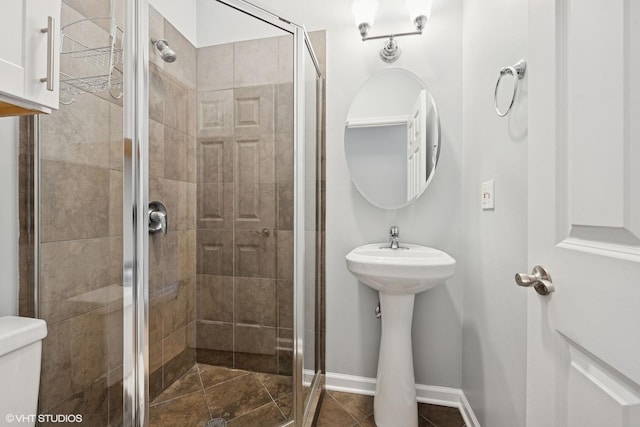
(20, 352)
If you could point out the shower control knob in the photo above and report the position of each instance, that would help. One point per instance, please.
(539, 279)
(158, 221)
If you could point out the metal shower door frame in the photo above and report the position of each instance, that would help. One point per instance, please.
(136, 198)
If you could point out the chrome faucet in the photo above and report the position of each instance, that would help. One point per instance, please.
(394, 237)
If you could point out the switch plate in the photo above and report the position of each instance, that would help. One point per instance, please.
(488, 195)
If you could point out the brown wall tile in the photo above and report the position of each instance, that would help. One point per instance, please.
(255, 206)
(214, 335)
(171, 260)
(157, 264)
(285, 59)
(215, 110)
(78, 133)
(184, 69)
(176, 105)
(175, 200)
(285, 254)
(115, 244)
(254, 339)
(155, 320)
(74, 201)
(156, 93)
(254, 110)
(249, 53)
(215, 160)
(156, 149)
(284, 108)
(255, 301)
(254, 362)
(55, 378)
(284, 291)
(215, 298)
(215, 252)
(187, 255)
(74, 275)
(175, 154)
(285, 205)
(88, 343)
(284, 157)
(254, 255)
(215, 206)
(92, 403)
(115, 203)
(174, 310)
(215, 67)
(115, 136)
(174, 344)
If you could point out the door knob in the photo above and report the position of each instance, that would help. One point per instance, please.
(157, 218)
(539, 278)
(265, 232)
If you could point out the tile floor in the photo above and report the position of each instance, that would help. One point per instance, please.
(244, 399)
(249, 399)
(352, 410)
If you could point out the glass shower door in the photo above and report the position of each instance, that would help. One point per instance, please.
(71, 211)
(213, 305)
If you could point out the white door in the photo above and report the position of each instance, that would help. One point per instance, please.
(583, 365)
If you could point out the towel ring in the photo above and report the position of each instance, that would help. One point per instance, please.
(517, 72)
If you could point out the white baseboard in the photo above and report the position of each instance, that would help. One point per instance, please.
(435, 395)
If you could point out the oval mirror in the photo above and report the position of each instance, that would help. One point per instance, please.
(392, 138)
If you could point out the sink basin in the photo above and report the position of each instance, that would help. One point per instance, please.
(400, 271)
(398, 274)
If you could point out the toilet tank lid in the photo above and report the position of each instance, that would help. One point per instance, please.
(18, 332)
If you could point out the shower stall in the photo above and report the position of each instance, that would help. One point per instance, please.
(172, 217)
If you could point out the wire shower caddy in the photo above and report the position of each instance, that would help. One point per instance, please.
(100, 67)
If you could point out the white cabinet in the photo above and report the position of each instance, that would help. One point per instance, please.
(29, 56)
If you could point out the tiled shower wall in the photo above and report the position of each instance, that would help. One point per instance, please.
(172, 180)
(245, 205)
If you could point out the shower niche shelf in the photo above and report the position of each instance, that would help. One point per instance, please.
(91, 57)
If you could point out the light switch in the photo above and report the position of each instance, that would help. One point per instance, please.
(488, 195)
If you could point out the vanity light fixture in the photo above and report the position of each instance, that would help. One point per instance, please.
(364, 12)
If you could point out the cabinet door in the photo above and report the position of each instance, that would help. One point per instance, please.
(39, 63)
(11, 58)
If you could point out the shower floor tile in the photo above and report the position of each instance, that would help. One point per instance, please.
(206, 392)
(354, 410)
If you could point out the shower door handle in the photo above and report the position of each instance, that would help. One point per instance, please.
(157, 218)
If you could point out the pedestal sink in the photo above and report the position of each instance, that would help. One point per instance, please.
(398, 274)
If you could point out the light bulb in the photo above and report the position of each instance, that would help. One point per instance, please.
(418, 8)
(364, 11)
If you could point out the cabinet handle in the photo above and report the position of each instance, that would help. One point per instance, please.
(51, 58)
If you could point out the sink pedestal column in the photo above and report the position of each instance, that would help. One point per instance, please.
(395, 403)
